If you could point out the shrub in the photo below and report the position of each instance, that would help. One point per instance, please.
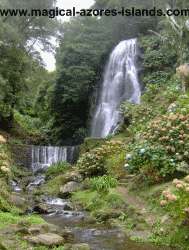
(166, 145)
(150, 160)
(92, 163)
(57, 167)
(5, 170)
(116, 166)
(102, 182)
(177, 200)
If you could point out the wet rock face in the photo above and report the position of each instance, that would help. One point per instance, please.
(43, 209)
(49, 239)
(68, 207)
(66, 190)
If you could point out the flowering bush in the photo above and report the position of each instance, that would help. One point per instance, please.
(169, 136)
(177, 201)
(140, 116)
(92, 163)
(4, 165)
(151, 160)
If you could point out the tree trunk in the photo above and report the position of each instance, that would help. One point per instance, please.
(182, 63)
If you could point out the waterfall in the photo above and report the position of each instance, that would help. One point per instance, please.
(120, 84)
(43, 156)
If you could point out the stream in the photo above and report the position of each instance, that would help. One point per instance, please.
(99, 237)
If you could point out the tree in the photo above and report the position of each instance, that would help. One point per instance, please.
(18, 55)
(176, 35)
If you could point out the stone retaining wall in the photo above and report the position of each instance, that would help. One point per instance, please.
(22, 154)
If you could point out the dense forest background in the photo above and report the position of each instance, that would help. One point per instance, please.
(60, 104)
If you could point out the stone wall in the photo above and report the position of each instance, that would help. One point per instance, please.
(22, 154)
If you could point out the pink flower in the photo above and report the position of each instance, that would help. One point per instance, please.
(175, 181)
(173, 149)
(163, 203)
(179, 186)
(187, 178)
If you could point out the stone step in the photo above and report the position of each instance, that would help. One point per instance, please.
(129, 176)
(125, 180)
(122, 184)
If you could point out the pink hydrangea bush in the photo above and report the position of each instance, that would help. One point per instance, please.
(92, 163)
(177, 200)
(4, 164)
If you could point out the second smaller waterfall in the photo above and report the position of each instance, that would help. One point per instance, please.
(43, 156)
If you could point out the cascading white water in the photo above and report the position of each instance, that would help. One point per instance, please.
(120, 84)
(43, 156)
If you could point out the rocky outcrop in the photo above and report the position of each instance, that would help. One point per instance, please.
(68, 188)
(49, 239)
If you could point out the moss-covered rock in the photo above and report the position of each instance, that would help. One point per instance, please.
(48, 239)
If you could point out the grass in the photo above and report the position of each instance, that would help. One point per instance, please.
(57, 168)
(7, 218)
(53, 185)
(93, 201)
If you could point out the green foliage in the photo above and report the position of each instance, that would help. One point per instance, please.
(9, 218)
(55, 183)
(58, 167)
(102, 183)
(152, 161)
(115, 166)
(93, 201)
(157, 79)
(92, 163)
(125, 108)
(156, 57)
(30, 123)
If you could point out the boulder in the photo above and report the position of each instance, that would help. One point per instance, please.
(68, 235)
(49, 239)
(19, 202)
(44, 228)
(42, 208)
(66, 190)
(107, 215)
(86, 184)
(68, 207)
(74, 176)
(23, 230)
